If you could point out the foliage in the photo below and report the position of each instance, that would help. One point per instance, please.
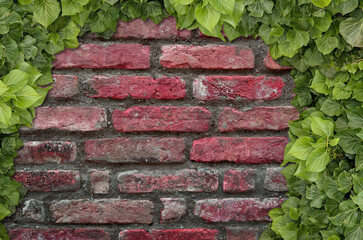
(320, 39)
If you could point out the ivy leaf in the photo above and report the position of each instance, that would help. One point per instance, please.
(3, 211)
(331, 189)
(3, 88)
(46, 11)
(321, 3)
(72, 7)
(207, 16)
(331, 108)
(301, 148)
(345, 181)
(11, 50)
(316, 196)
(318, 159)
(319, 83)
(352, 31)
(327, 44)
(223, 6)
(5, 113)
(30, 51)
(297, 38)
(355, 117)
(323, 128)
(358, 199)
(26, 97)
(357, 184)
(348, 216)
(340, 92)
(15, 80)
(354, 233)
(259, 7)
(349, 141)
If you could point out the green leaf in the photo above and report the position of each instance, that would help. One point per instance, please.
(11, 50)
(46, 11)
(352, 31)
(340, 91)
(321, 3)
(30, 51)
(316, 196)
(26, 97)
(319, 83)
(318, 159)
(5, 113)
(207, 16)
(3, 88)
(355, 117)
(358, 91)
(15, 80)
(327, 44)
(357, 184)
(258, 8)
(349, 141)
(331, 108)
(359, 159)
(72, 7)
(297, 38)
(348, 216)
(302, 148)
(354, 233)
(345, 181)
(3, 211)
(358, 199)
(323, 128)
(331, 189)
(223, 6)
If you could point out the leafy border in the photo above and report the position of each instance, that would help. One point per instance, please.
(321, 39)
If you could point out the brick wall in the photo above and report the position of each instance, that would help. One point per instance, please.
(156, 134)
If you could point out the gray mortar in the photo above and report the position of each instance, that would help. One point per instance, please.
(156, 70)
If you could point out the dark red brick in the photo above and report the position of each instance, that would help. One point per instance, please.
(122, 56)
(65, 86)
(206, 88)
(135, 150)
(207, 57)
(238, 233)
(258, 118)
(170, 234)
(173, 209)
(49, 180)
(235, 209)
(236, 180)
(138, 28)
(38, 152)
(162, 119)
(187, 180)
(239, 149)
(275, 180)
(100, 181)
(75, 119)
(272, 65)
(138, 87)
(103, 211)
(60, 234)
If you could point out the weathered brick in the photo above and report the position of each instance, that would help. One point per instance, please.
(135, 150)
(138, 28)
(65, 86)
(103, 211)
(49, 180)
(123, 56)
(80, 119)
(100, 182)
(238, 233)
(138, 87)
(272, 65)
(239, 149)
(173, 209)
(186, 180)
(207, 57)
(206, 88)
(38, 152)
(60, 233)
(31, 210)
(275, 180)
(170, 234)
(236, 180)
(235, 209)
(258, 118)
(162, 119)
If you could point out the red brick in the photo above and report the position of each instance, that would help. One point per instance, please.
(60, 233)
(122, 56)
(162, 119)
(239, 149)
(31, 210)
(207, 57)
(39, 152)
(206, 88)
(173, 209)
(49, 180)
(235, 209)
(186, 180)
(138, 87)
(237, 233)
(272, 65)
(100, 182)
(103, 211)
(170, 234)
(138, 28)
(236, 180)
(135, 150)
(65, 86)
(275, 180)
(75, 119)
(258, 118)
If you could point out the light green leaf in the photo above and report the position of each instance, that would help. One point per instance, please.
(15, 80)
(3, 211)
(340, 91)
(331, 108)
(319, 83)
(357, 184)
(297, 38)
(321, 3)
(355, 117)
(72, 7)
(358, 199)
(323, 128)
(348, 216)
(258, 8)
(345, 181)
(207, 16)
(358, 91)
(223, 6)
(301, 148)
(26, 97)
(46, 11)
(354, 233)
(318, 160)
(349, 141)
(352, 31)
(3, 88)
(327, 44)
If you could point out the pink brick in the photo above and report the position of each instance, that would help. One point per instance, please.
(238, 233)
(235, 209)
(272, 65)
(65, 86)
(60, 233)
(258, 118)
(236, 180)
(275, 180)
(49, 180)
(206, 88)
(138, 87)
(162, 119)
(100, 182)
(79, 119)
(170, 234)
(207, 57)
(173, 209)
(122, 56)
(186, 180)
(138, 28)
(103, 211)
(39, 152)
(239, 149)
(135, 150)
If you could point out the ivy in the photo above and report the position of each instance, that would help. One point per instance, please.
(320, 39)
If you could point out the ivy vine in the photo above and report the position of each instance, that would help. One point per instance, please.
(321, 39)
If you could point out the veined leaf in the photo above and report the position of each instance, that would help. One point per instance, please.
(46, 11)
(352, 31)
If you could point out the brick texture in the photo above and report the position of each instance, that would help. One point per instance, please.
(65, 86)
(100, 181)
(272, 65)
(61, 233)
(170, 234)
(242, 234)
(275, 180)
(236, 180)
(173, 209)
